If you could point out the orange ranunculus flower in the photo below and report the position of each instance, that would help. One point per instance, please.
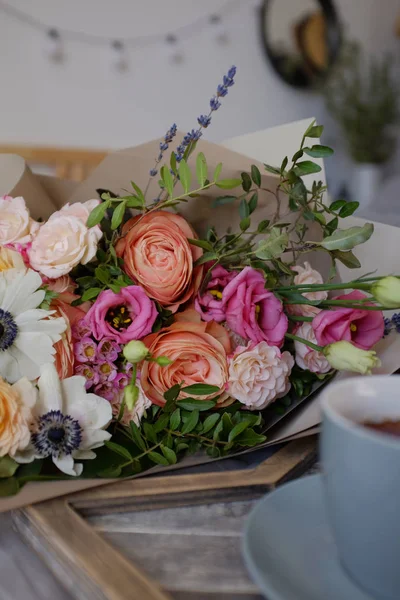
(158, 256)
(64, 356)
(199, 353)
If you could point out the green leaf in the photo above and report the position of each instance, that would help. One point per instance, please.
(169, 455)
(273, 246)
(97, 214)
(217, 171)
(253, 202)
(185, 175)
(250, 438)
(201, 168)
(246, 182)
(218, 430)
(139, 192)
(348, 209)
(297, 155)
(161, 423)
(207, 256)
(314, 131)
(180, 446)
(228, 184)
(256, 175)
(347, 258)
(175, 419)
(337, 204)
(305, 167)
(299, 193)
(110, 472)
(9, 486)
(284, 164)
(318, 151)
(173, 392)
(200, 243)
(158, 458)
(118, 215)
(167, 180)
(245, 223)
(133, 202)
(149, 433)
(91, 293)
(172, 162)
(223, 200)
(271, 169)
(213, 452)
(137, 436)
(102, 274)
(8, 466)
(332, 225)
(346, 239)
(263, 226)
(244, 210)
(118, 450)
(191, 422)
(210, 422)
(193, 404)
(200, 389)
(237, 430)
(319, 217)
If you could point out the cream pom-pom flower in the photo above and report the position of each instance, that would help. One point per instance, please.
(27, 335)
(68, 423)
(259, 374)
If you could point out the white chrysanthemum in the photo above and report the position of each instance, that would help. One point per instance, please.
(259, 374)
(68, 423)
(27, 336)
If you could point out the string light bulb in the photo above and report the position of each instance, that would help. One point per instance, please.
(120, 58)
(175, 52)
(219, 29)
(55, 50)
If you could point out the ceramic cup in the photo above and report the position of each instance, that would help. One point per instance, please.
(362, 480)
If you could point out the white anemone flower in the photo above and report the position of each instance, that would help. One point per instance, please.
(27, 336)
(68, 423)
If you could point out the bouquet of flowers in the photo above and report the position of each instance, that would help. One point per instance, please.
(126, 340)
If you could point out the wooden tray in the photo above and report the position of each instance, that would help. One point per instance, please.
(191, 552)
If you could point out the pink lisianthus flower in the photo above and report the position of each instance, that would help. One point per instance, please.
(210, 305)
(363, 328)
(85, 350)
(107, 371)
(108, 350)
(89, 373)
(128, 315)
(252, 311)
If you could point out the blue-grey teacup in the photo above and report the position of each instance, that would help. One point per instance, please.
(362, 480)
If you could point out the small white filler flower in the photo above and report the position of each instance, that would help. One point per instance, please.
(68, 423)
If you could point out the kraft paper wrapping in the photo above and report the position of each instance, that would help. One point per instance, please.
(116, 172)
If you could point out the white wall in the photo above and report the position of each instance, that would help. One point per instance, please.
(84, 102)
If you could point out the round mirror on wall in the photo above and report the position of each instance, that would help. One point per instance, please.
(302, 39)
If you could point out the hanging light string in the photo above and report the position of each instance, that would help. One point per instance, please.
(183, 32)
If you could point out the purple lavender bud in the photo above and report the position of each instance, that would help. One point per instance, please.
(171, 133)
(178, 157)
(180, 149)
(160, 156)
(227, 81)
(204, 120)
(232, 72)
(214, 103)
(163, 146)
(153, 172)
(221, 91)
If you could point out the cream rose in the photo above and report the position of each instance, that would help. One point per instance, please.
(259, 374)
(307, 358)
(82, 210)
(10, 259)
(16, 226)
(16, 402)
(307, 275)
(59, 246)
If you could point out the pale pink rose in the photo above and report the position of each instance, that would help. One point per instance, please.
(16, 403)
(61, 285)
(59, 245)
(307, 358)
(307, 275)
(82, 210)
(137, 412)
(259, 374)
(16, 226)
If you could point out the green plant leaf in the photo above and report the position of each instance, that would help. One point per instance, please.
(337, 204)
(246, 182)
(272, 169)
(207, 256)
(97, 214)
(228, 184)
(169, 455)
(173, 392)
(213, 452)
(210, 422)
(314, 131)
(133, 202)
(161, 423)
(149, 433)
(217, 171)
(223, 200)
(91, 293)
(263, 226)
(219, 428)
(185, 175)
(348, 209)
(273, 246)
(306, 167)
(318, 151)
(157, 458)
(245, 223)
(111, 472)
(8, 466)
(200, 389)
(332, 225)
(299, 193)
(250, 438)
(102, 274)
(244, 210)
(139, 192)
(284, 164)
(297, 155)
(256, 175)
(175, 419)
(167, 180)
(118, 450)
(346, 239)
(9, 486)
(118, 215)
(201, 244)
(347, 258)
(191, 422)
(137, 436)
(201, 169)
(237, 430)
(253, 202)
(193, 404)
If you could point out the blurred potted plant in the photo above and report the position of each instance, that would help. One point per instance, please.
(364, 101)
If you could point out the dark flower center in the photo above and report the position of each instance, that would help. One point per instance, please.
(119, 317)
(56, 434)
(8, 330)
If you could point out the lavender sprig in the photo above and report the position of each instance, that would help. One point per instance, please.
(392, 323)
(164, 145)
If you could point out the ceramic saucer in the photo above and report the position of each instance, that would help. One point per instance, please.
(289, 549)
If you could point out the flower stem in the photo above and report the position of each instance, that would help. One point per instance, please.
(129, 462)
(311, 287)
(296, 338)
(196, 436)
(300, 318)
